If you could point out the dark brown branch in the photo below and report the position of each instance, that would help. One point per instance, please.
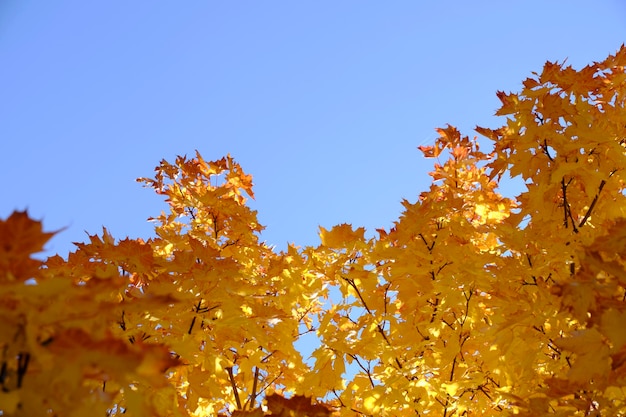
(338, 398)
(366, 370)
(452, 370)
(3, 371)
(22, 366)
(421, 334)
(216, 229)
(552, 346)
(544, 148)
(442, 266)
(484, 391)
(193, 321)
(253, 394)
(530, 283)
(307, 331)
(122, 322)
(450, 325)
(266, 357)
(189, 210)
(564, 191)
(379, 327)
(567, 212)
(356, 289)
(231, 377)
(191, 213)
(386, 299)
(468, 297)
(593, 204)
(435, 305)
(429, 246)
(270, 383)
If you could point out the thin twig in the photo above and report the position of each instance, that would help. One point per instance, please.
(593, 204)
(379, 327)
(366, 370)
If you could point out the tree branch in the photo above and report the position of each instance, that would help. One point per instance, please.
(567, 212)
(593, 203)
(379, 327)
(544, 148)
(253, 394)
(366, 370)
(231, 377)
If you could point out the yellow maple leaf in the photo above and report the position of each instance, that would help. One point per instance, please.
(341, 236)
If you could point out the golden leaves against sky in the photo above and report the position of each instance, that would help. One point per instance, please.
(473, 303)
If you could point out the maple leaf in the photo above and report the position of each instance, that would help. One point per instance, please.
(20, 237)
(341, 235)
(449, 135)
(489, 133)
(430, 151)
(509, 103)
(531, 83)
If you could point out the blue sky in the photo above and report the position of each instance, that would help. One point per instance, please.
(324, 103)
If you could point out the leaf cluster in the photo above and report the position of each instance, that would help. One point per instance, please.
(473, 303)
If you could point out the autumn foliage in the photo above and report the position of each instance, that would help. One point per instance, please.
(473, 303)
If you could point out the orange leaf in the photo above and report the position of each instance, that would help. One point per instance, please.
(509, 103)
(296, 406)
(430, 151)
(20, 237)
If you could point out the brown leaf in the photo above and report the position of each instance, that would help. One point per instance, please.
(296, 406)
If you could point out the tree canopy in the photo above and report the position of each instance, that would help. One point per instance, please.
(473, 303)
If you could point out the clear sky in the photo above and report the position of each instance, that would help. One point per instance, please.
(323, 102)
